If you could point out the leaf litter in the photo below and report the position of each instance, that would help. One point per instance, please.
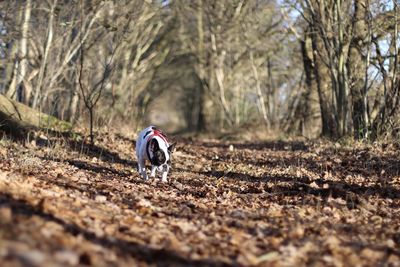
(227, 203)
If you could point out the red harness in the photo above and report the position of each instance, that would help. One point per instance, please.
(159, 134)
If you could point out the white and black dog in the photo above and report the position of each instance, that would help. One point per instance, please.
(152, 145)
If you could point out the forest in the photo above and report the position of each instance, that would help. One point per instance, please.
(285, 115)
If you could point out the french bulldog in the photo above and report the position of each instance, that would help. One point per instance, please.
(152, 145)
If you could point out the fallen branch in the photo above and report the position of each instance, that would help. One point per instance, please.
(18, 119)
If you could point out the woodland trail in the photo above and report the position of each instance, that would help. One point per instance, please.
(66, 203)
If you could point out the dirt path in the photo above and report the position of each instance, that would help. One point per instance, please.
(272, 204)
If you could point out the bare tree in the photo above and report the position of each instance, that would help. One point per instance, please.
(94, 85)
(21, 63)
(48, 44)
(232, 42)
(327, 68)
(345, 49)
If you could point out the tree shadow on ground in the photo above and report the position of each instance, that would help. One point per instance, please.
(83, 165)
(266, 145)
(287, 185)
(91, 189)
(124, 138)
(84, 147)
(366, 164)
(340, 161)
(97, 188)
(209, 149)
(160, 257)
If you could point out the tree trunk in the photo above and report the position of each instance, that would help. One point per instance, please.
(22, 65)
(357, 67)
(260, 95)
(321, 73)
(342, 77)
(43, 64)
(91, 118)
(73, 106)
(201, 69)
(307, 111)
(218, 67)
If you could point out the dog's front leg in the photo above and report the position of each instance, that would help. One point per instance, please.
(164, 176)
(153, 171)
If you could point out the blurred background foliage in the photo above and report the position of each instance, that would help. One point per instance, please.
(303, 67)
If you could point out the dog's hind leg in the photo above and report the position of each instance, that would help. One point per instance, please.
(142, 169)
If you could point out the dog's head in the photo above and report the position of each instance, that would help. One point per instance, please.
(161, 155)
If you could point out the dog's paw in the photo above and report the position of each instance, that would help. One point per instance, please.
(164, 178)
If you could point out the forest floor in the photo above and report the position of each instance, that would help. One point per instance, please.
(66, 203)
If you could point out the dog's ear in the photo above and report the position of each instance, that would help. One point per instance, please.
(154, 145)
(171, 148)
